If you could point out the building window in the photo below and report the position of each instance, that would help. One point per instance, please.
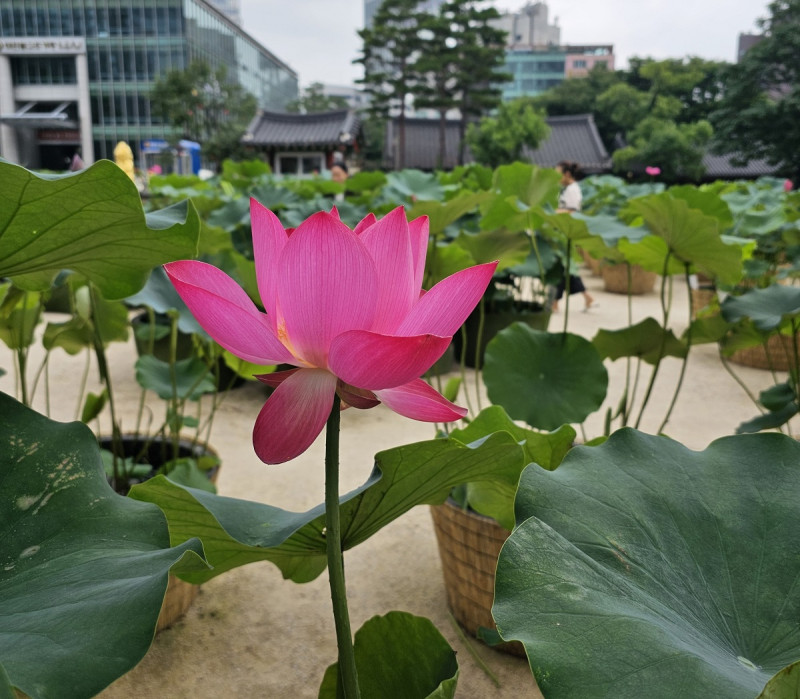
(299, 164)
(580, 63)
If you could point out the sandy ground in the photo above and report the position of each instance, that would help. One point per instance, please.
(252, 634)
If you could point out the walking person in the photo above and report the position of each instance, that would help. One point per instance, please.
(569, 200)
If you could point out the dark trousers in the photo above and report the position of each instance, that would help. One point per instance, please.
(575, 286)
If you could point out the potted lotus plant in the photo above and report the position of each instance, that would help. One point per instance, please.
(325, 329)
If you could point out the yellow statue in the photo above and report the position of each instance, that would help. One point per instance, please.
(123, 157)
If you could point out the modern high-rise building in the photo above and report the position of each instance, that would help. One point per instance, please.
(535, 56)
(529, 27)
(232, 9)
(78, 73)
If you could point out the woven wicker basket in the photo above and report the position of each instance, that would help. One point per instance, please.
(615, 279)
(781, 351)
(469, 545)
(700, 299)
(593, 264)
(177, 600)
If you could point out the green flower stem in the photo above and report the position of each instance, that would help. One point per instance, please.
(665, 309)
(567, 285)
(348, 678)
(105, 376)
(685, 362)
(174, 421)
(479, 351)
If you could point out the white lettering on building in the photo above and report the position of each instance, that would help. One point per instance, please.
(43, 45)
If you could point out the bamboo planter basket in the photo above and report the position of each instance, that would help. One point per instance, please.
(779, 348)
(615, 279)
(179, 595)
(178, 598)
(700, 299)
(469, 545)
(592, 263)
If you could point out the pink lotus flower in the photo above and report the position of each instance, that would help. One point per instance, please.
(343, 306)
(787, 185)
(652, 170)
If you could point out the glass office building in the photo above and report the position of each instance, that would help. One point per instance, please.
(533, 71)
(77, 73)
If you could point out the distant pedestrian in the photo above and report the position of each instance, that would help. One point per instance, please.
(339, 174)
(569, 200)
(77, 162)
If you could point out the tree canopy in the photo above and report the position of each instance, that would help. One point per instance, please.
(450, 60)
(758, 117)
(313, 99)
(499, 139)
(654, 113)
(203, 105)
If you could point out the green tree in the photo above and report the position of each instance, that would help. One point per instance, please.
(499, 139)
(438, 63)
(758, 117)
(389, 52)
(660, 108)
(202, 105)
(695, 83)
(579, 96)
(479, 57)
(315, 100)
(677, 149)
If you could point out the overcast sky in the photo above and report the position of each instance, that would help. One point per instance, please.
(318, 39)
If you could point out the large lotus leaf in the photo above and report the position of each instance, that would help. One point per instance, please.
(403, 185)
(20, 312)
(73, 336)
(647, 340)
(509, 248)
(160, 295)
(506, 212)
(691, 236)
(710, 203)
(572, 228)
(531, 185)
(192, 377)
(366, 180)
(742, 335)
(273, 197)
(651, 252)
(442, 213)
(611, 229)
(495, 498)
(768, 421)
(785, 684)
(545, 448)
(244, 171)
(399, 656)
(91, 222)
(231, 215)
(768, 308)
(235, 532)
(545, 379)
(83, 571)
(541, 261)
(640, 568)
(705, 329)
(444, 260)
(756, 212)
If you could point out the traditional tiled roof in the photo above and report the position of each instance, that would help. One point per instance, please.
(720, 167)
(572, 138)
(283, 130)
(575, 138)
